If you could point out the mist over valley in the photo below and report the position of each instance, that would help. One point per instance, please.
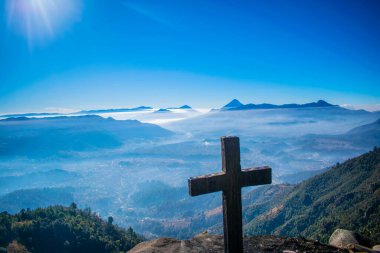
(120, 165)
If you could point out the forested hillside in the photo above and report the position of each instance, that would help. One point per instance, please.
(347, 196)
(63, 229)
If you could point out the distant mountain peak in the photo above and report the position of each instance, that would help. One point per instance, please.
(142, 108)
(185, 107)
(323, 103)
(233, 104)
(162, 110)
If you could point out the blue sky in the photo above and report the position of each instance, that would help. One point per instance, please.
(84, 54)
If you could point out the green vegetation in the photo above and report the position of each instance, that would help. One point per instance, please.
(63, 229)
(347, 196)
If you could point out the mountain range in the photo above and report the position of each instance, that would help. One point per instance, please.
(237, 105)
(99, 111)
(232, 105)
(90, 112)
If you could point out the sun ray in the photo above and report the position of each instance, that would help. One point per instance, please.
(45, 17)
(28, 31)
(39, 21)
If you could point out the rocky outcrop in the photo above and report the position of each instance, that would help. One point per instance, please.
(343, 238)
(214, 244)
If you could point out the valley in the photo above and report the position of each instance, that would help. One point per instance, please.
(137, 172)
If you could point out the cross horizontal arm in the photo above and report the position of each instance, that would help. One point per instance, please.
(256, 176)
(206, 184)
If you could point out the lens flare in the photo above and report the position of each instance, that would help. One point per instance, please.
(41, 20)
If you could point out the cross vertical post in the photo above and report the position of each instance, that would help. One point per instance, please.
(232, 209)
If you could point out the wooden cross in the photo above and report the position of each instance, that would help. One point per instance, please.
(230, 182)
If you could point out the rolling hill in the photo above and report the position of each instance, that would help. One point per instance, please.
(41, 137)
(35, 198)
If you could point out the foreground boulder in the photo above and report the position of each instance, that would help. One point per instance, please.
(342, 238)
(214, 244)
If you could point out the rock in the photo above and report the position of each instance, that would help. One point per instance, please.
(214, 244)
(199, 243)
(341, 238)
(376, 248)
(160, 245)
(359, 248)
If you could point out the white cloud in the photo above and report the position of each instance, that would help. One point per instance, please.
(370, 108)
(60, 110)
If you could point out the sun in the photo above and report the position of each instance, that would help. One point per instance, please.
(41, 20)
